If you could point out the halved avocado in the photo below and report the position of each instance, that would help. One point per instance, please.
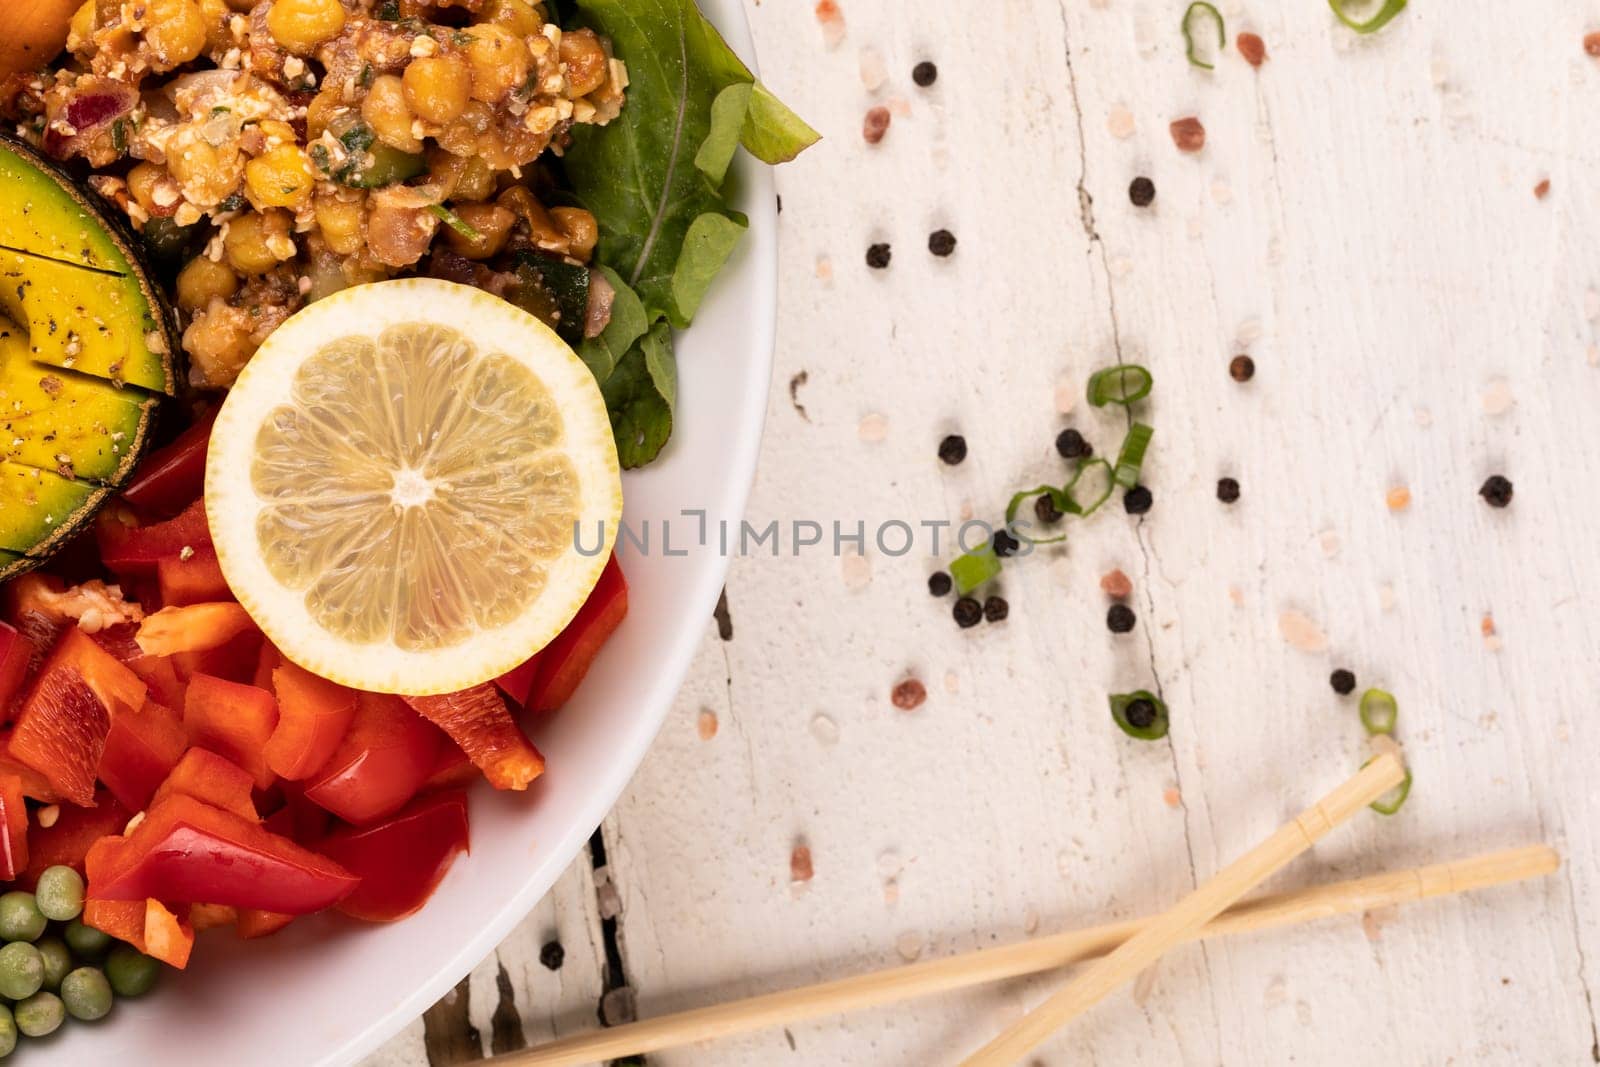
(83, 362)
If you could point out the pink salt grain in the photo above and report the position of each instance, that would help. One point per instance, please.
(1116, 585)
(1301, 632)
(800, 869)
(876, 124)
(1188, 134)
(909, 695)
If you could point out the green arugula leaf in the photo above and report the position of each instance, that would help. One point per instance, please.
(773, 133)
(729, 111)
(640, 394)
(706, 247)
(629, 321)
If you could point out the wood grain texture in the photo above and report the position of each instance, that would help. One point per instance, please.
(1362, 221)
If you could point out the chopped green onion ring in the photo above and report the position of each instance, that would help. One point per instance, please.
(1155, 730)
(455, 222)
(1122, 384)
(1131, 458)
(974, 568)
(1058, 497)
(1394, 799)
(1379, 711)
(1188, 37)
(1378, 21)
(1085, 510)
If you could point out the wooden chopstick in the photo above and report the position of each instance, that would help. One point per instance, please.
(1191, 913)
(1028, 957)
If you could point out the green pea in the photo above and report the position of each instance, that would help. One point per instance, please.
(20, 917)
(8, 1031)
(86, 994)
(86, 942)
(57, 959)
(40, 1014)
(59, 894)
(131, 972)
(21, 970)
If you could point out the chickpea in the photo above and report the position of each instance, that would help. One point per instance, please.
(216, 15)
(201, 280)
(257, 242)
(320, 111)
(584, 62)
(541, 226)
(280, 177)
(390, 117)
(174, 34)
(340, 221)
(500, 62)
(80, 38)
(581, 230)
(460, 138)
(493, 225)
(143, 180)
(438, 87)
(302, 25)
(518, 16)
(476, 181)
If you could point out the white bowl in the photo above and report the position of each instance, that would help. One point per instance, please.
(329, 991)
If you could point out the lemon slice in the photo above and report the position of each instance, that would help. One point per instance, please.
(395, 483)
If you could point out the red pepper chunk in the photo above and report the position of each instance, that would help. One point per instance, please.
(313, 715)
(195, 580)
(566, 660)
(13, 828)
(517, 683)
(16, 652)
(194, 628)
(207, 776)
(142, 748)
(233, 720)
(128, 547)
(385, 756)
(476, 719)
(61, 733)
(109, 678)
(186, 851)
(67, 842)
(254, 923)
(173, 476)
(402, 861)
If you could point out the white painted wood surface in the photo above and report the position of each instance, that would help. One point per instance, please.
(1363, 222)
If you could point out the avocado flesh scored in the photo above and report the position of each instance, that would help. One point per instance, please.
(47, 511)
(50, 218)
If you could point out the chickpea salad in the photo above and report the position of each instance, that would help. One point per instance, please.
(569, 157)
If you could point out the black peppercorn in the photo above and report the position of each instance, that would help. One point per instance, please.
(1120, 618)
(552, 955)
(1242, 368)
(925, 74)
(1004, 544)
(878, 256)
(968, 612)
(1138, 500)
(1045, 510)
(939, 583)
(1343, 682)
(953, 449)
(995, 609)
(1142, 191)
(1497, 491)
(1227, 490)
(1141, 714)
(941, 242)
(1071, 445)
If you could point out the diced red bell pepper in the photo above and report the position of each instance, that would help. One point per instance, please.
(452, 770)
(193, 628)
(401, 861)
(209, 777)
(16, 652)
(236, 660)
(13, 828)
(130, 547)
(211, 916)
(565, 661)
(166, 937)
(122, 919)
(268, 659)
(313, 715)
(174, 475)
(185, 851)
(196, 580)
(111, 680)
(517, 683)
(35, 786)
(67, 841)
(61, 733)
(386, 755)
(232, 720)
(477, 721)
(300, 820)
(254, 922)
(161, 680)
(142, 748)
(119, 641)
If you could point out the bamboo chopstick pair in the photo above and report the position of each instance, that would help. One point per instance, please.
(1122, 949)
